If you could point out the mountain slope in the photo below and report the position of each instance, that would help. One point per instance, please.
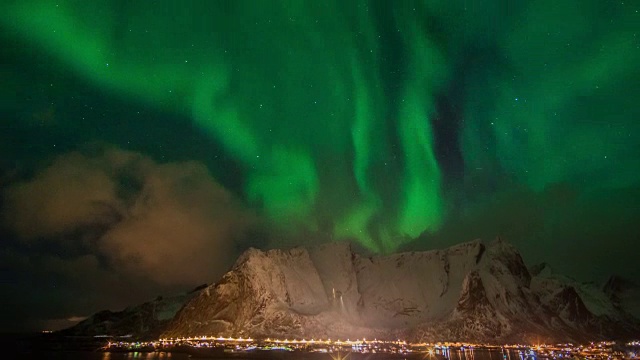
(470, 292)
(146, 320)
(624, 294)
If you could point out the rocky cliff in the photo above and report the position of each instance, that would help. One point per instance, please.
(469, 292)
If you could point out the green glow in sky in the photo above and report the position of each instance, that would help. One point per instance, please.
(559, 105)
(329, 106)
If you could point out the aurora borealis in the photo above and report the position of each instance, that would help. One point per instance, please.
(407, 124)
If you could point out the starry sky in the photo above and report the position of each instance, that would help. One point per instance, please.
(145, 144)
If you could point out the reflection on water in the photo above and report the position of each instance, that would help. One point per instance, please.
(143, 355)
(484, 354)
(92, 355)
(450, 354)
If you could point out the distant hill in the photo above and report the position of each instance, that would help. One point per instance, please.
(147, 320)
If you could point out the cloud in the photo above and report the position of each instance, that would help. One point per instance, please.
(75, 190)
(182, 225)
(170, 223)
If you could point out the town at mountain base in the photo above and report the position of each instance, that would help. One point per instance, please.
(472, 292)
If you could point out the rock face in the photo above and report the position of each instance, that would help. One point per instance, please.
(147, 320)
(625, 294)
(469, 292)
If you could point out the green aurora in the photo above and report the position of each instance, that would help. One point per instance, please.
(330, 107)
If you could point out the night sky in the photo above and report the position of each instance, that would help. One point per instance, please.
(145, 144)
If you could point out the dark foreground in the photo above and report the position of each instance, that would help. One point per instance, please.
(93, 355)
(38, 347)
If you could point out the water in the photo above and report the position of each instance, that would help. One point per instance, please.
(39, 347)
(483, 354)
(92, 355)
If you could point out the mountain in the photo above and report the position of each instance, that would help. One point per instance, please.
(584, 306)
(147, 320)
(624, 293)
(469, 292)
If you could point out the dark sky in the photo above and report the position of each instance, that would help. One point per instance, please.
(145, 144)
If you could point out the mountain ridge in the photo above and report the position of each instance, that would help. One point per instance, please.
(467, 292)
(472, 292)
(146, 320)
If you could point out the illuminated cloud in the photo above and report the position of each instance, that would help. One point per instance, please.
(72, 192)
(171, 222)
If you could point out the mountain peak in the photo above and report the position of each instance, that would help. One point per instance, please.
(542, 269)
(330, 291)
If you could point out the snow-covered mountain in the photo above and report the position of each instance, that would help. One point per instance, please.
(469, 292)
(147, 320)
(625, 294)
